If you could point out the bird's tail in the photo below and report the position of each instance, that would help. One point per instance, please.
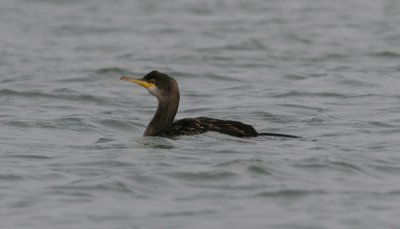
(278, 135)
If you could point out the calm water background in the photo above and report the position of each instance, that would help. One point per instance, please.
(72, 153)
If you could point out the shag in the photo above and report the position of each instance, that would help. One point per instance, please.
(165, 88)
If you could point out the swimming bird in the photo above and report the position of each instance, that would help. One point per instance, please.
(165, 88)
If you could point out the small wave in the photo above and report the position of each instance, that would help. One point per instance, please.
(86, 186)
(16, 79)
(29, 156)
(357, 83)
(289, 193)
(57, 94)
(96, 74)
(294, 77)
(313, 120)
(222, 78)
(188, 213)
(113, 144)
(104, 140)
(54, 1)
(8, 92)
(10, 177)
(259, 169)
(385, 54)
(203, 175)
(309, 94)
(81, 29)
(208, 75)
(319, 109)
(111, 70)
(117, 124)
(249, 45)
(382, 124)
(387, 168)
(395, 193)
(318, 163)
(156, 143)
(61, 123)
(254, 166)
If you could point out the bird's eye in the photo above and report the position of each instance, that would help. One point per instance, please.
(152, 81)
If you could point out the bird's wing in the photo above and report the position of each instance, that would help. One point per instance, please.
(192, 126)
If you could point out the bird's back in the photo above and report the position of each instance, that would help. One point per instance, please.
(192, 126)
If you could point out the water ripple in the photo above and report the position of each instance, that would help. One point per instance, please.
(10, 177)
(60, 123)
(290, 193)
(86, 186)
(58, 94)
(215, 175)
(385, 54)
(309, 94)
(318, 163)
(72, 153)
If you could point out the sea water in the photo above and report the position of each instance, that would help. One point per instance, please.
(72, 153)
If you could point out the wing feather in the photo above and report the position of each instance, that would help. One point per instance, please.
(192, 126)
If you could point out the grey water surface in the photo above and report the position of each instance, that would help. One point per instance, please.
(72, 153)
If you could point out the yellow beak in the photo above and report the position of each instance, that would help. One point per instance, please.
(138, 81)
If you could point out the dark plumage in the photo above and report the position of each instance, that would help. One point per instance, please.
(165, 88)
(192, 126)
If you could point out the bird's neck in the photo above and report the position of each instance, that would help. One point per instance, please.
(164, 116)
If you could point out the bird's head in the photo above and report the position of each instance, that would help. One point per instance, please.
(158, 84)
